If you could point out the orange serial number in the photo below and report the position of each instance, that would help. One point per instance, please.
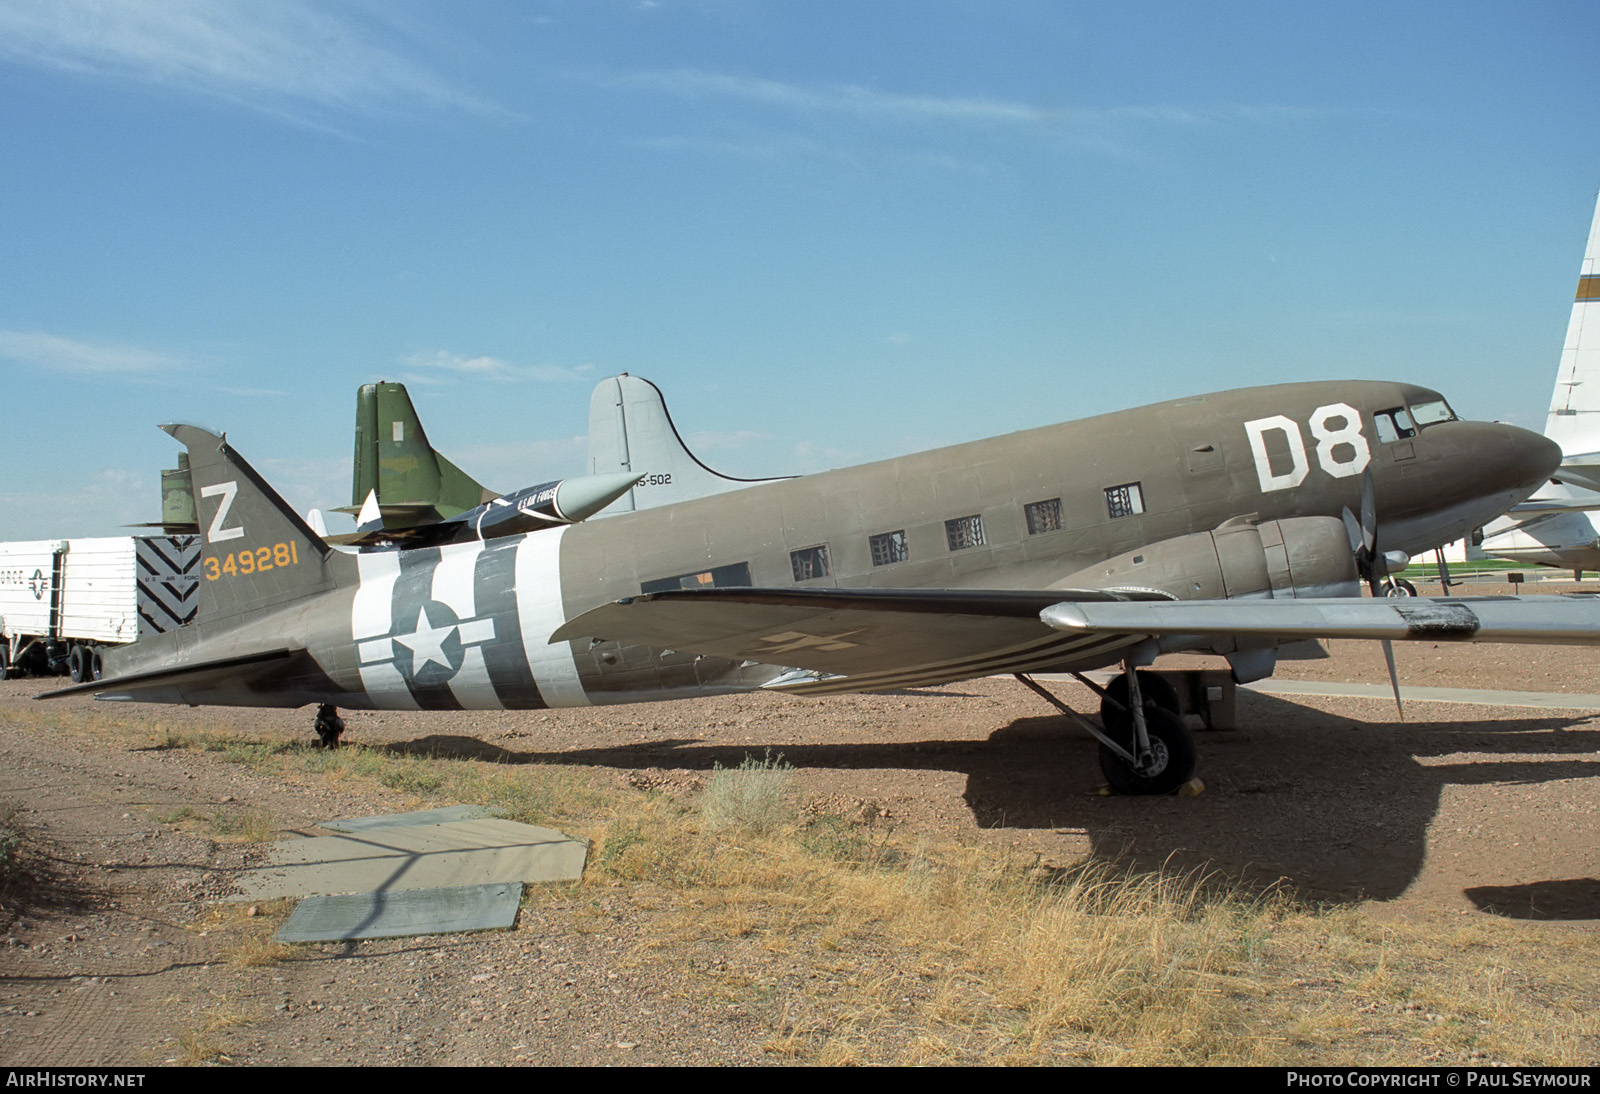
(234, 563)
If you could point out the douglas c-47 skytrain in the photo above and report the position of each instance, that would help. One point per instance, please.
(1060, 549)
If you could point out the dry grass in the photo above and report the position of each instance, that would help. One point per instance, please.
(853, 947)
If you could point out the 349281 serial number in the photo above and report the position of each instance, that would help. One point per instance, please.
(259, 560)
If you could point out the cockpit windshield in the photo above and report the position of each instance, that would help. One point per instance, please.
(1426, 414)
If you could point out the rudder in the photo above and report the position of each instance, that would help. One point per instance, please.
(255, 550)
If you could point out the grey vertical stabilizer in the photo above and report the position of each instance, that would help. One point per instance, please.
(255, 551)
(630, 430)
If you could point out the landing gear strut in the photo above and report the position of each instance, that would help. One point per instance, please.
(328, 725)
(1144, 745)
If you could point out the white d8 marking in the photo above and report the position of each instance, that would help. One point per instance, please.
(1328, 442)
(1329, 439)
(1258, 448)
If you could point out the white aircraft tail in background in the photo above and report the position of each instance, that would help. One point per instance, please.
(630, 430)
(1556, 527)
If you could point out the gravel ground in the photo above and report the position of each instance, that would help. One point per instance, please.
(114, 953)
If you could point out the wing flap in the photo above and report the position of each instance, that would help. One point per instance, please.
(851, 639)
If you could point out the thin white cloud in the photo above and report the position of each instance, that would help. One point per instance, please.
(868, 103)
(55, 353)
(287, 57)
(488, 368)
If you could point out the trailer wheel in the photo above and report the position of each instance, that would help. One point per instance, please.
(5, 659)
(77, 664)
(96, 667)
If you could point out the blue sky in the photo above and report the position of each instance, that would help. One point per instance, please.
(831, 232)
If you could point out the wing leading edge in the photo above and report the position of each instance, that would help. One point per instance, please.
(1569, 619)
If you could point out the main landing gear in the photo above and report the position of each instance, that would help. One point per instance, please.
(328, 725)
(1144, 746)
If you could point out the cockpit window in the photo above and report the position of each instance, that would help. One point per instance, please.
(1436, 411)
(1393, 424)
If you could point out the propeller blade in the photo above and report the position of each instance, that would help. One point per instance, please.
(1369, 513)
(1394, 677)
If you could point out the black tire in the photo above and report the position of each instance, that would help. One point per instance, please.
(328, 726)
(1152, 685)
(78, 664)
(1174, 756)
(1400, 587)
(5, 659)
(97, 667)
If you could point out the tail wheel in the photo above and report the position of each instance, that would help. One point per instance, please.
(1171, 761)
(1156, 690)
(328, 726)
(1400, 587)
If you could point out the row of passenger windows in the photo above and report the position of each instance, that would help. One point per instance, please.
(960, 533)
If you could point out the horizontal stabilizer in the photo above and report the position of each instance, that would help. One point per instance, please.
(133, 685)
(1573, 618)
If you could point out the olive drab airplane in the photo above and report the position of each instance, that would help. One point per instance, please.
(1006, 555)
(403, 491)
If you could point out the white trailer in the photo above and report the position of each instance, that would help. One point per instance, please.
(62, 601)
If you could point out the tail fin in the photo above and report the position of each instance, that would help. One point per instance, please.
(630, 430)
(1574, 421)
(394, 460)
(255, 551)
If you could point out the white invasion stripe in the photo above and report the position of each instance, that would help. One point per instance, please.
(452, 578)
(453, 586)
(471, 685)
(538, 582)
(370, 614)
(386, 687)
(370, 610)
(379, 649)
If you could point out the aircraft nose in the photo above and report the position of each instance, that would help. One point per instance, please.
(1520, 456)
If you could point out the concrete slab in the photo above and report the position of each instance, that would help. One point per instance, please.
(422, 856)
(405, 820)
(399, 914)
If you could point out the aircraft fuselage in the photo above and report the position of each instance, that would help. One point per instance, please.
(467, 625)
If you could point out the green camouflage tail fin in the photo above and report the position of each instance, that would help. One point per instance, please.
(255, 551)
(394, 460)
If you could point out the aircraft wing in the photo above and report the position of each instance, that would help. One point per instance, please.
(858, 639)
(868, 640)
(1572, 619)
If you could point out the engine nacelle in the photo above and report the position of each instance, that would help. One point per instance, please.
(1297, 557)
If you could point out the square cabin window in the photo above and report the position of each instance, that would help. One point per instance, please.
(1043, 516)
(964, 532)
(889, 547)
(1125, 501)
(810, 562)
